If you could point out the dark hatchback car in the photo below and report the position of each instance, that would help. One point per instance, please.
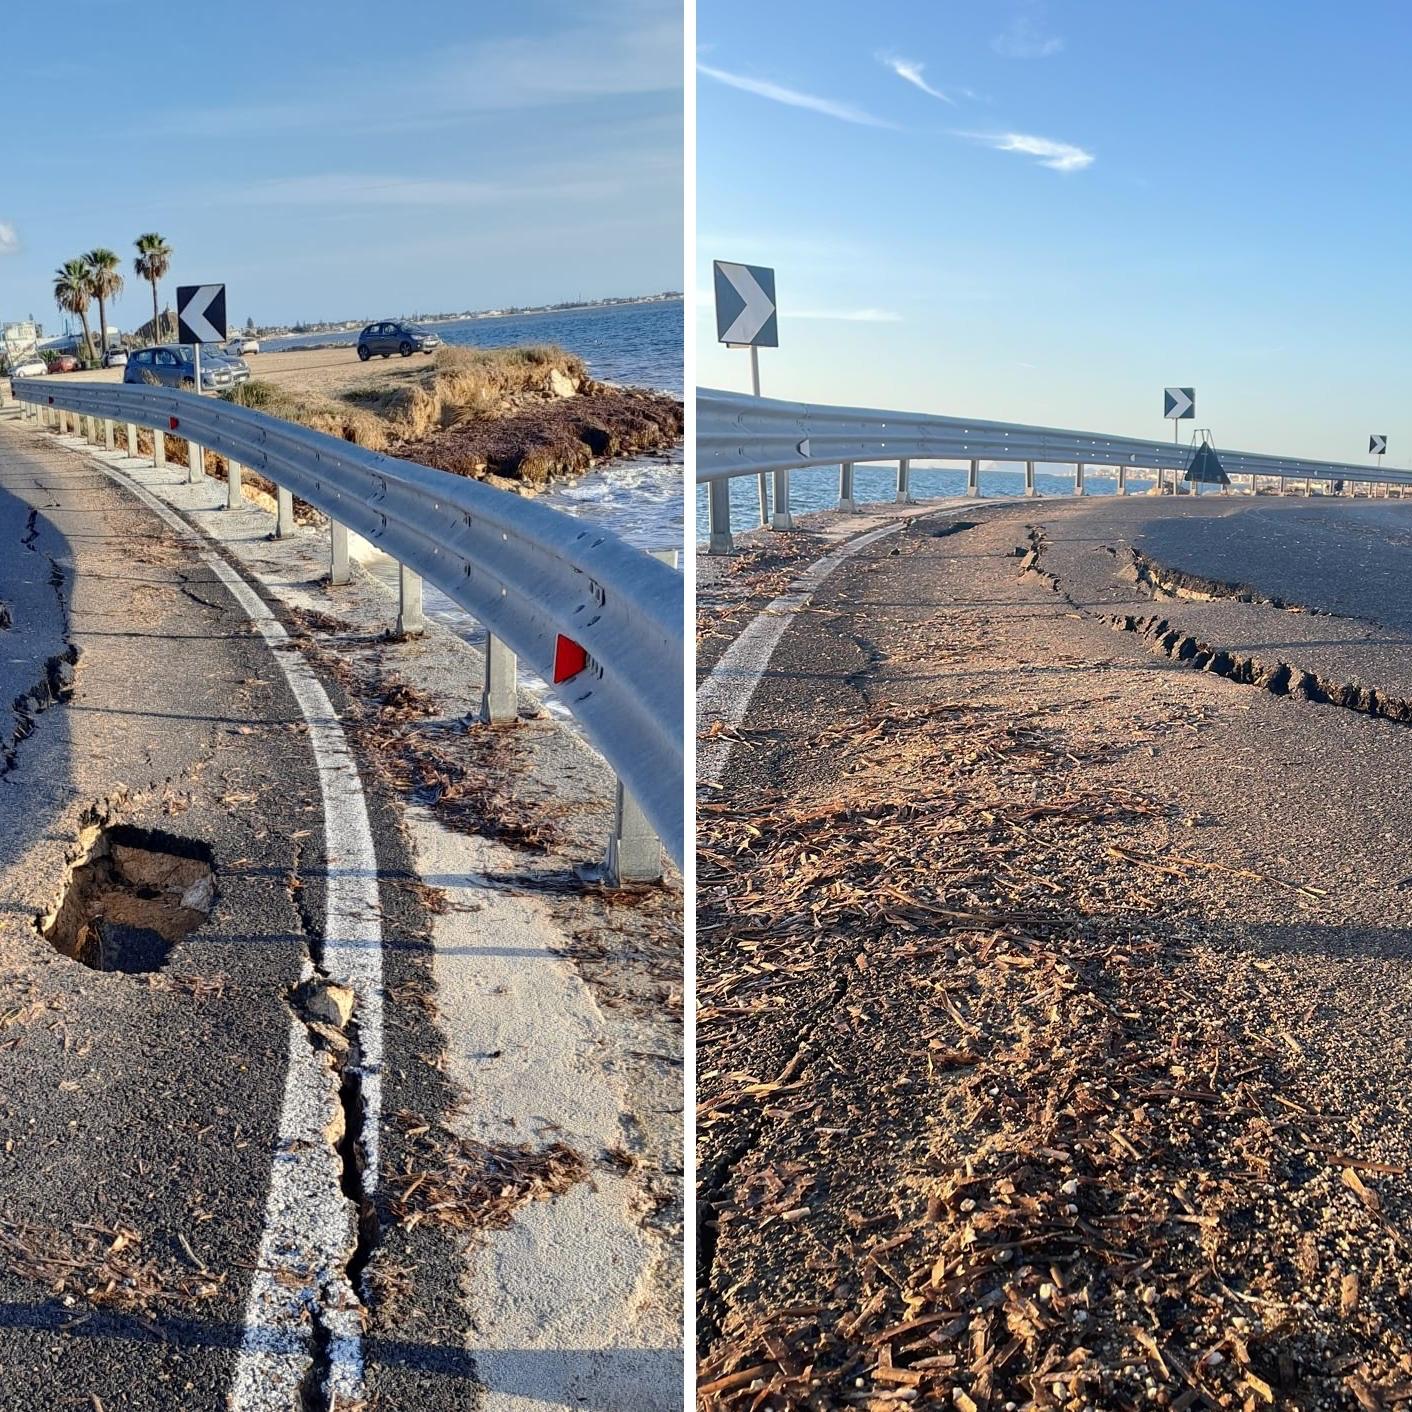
(389, 338)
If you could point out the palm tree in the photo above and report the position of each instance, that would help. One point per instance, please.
(154, 259)
(103, 266)
(73, 292)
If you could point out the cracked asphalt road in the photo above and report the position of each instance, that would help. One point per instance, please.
(139, 1113)
(1268, 871)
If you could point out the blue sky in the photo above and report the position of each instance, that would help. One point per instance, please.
(331, 160)
(1041, 211)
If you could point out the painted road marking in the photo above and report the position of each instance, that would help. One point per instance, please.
(726, 693)
(309, 1226)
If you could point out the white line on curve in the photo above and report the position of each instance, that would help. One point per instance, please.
(308, 1224)
(729, 687)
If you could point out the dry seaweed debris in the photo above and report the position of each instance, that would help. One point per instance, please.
(457, 1181)
(1028, 1156)
(102, 1267)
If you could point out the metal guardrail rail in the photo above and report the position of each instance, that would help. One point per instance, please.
(740, 435)
(535, 577)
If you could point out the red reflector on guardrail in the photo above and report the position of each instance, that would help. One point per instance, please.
(569, 658)
(175, 421)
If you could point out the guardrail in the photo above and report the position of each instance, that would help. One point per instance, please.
(588, 612)
(739, 435)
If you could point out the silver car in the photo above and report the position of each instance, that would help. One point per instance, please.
(172, 365)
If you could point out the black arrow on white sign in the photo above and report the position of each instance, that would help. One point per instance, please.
(201, 313)
(1377, 445)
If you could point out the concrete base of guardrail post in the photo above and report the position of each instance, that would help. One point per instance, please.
(973, 480)
(904, 482)
(131, 439)
(337, 553)
(634, 850)
(284, 513)
(410, 622)
(110, 439)
(1079, 479)
(845, 487)
(764, 481)
(159, 447)
(195, 463)
(499, 696)
(718, 515)
(234, 473)
(1029, 478)
(781, 519)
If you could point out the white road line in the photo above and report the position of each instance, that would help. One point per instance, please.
(309, 1226)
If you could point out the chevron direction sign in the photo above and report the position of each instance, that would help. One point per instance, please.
(201, 313)
(1178, 403)
(1377, 445)
(745, 306)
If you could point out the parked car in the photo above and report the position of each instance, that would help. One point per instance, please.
(243, 346)
(115, 358)
(389, 338)
(213, 353)
(173, 365)
(29, 368)
(65, 363)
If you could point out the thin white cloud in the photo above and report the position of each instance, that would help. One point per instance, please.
(792, 98)
(9, 239)
(847, 316)
(1057, 156)
(911, 71)
(1022, 38)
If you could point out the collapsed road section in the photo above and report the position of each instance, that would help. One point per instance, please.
(1053, 1005)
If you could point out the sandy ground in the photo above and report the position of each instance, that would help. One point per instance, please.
(327, 371)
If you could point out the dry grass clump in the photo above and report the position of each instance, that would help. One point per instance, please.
(469, 384)
(334, 418)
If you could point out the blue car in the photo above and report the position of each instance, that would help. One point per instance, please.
(172, 365)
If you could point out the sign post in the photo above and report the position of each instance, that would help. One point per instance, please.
(1178, 405)
(747, 317)
(1377, 446)
(201, 318)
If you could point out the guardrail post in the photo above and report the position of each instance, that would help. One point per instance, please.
(109, 438)
(1282, 485)
(159, 447)
(1079, 479)
(337, 553)
(410, 622)
(499, 696)
(284, 512)
(234, 499)
(781, 519)
(973, 480)
(634, 850)
(131, 439)
(904, 482)
(764, 481)
(1122, 480)
(1029, 478)
(195, 462)
(845, 487)
(718, 515)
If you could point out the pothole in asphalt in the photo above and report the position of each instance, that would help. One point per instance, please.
(130, 898)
